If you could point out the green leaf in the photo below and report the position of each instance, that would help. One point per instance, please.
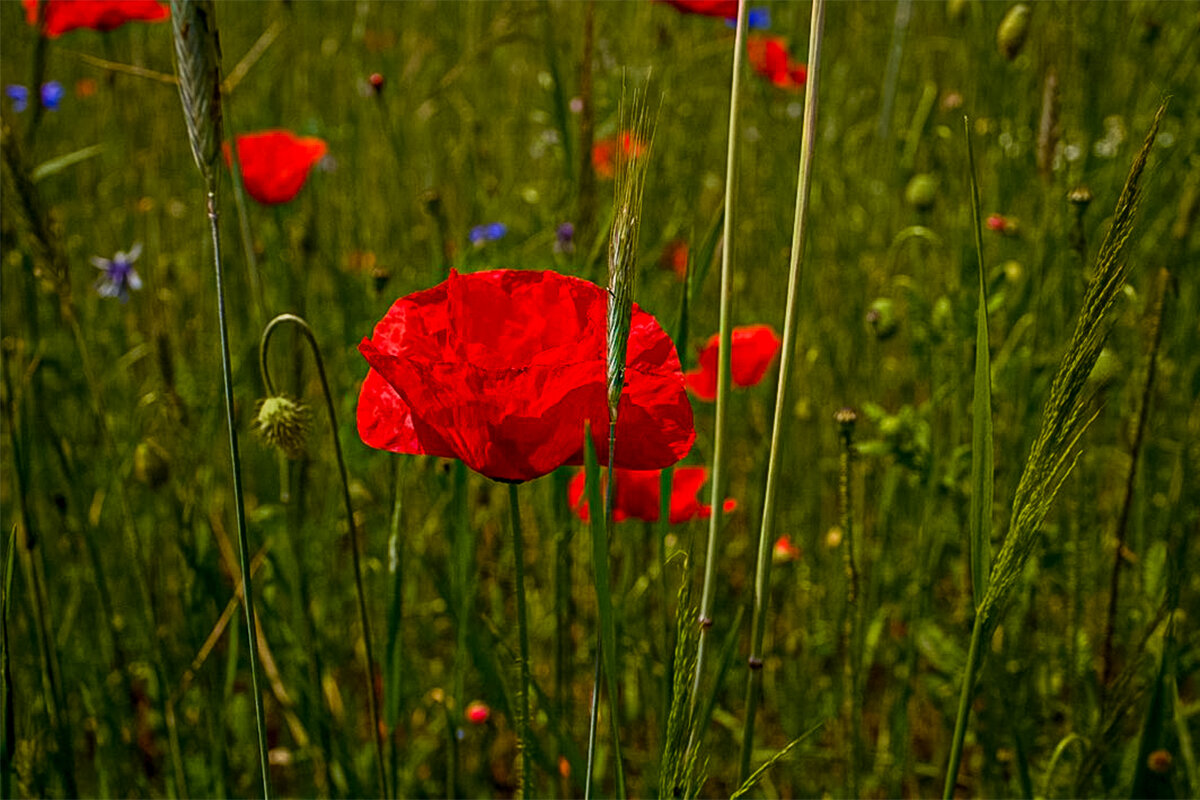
(758, 773)
(982, 463)
(56, 165)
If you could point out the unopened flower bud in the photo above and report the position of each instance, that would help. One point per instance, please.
(283, 423)
(1159, 761)
(151, 464)
(921, 192)
(376, 82)
(1107, 369)
(1080, 197)
(1013, 30)
(881, 318)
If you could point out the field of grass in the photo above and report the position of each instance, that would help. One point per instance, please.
(126, 668)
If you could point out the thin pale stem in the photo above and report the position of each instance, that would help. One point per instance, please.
(799, 238)
(356, 558)
(964, 708)
(523, 639)
(723, 369)
(239, 504)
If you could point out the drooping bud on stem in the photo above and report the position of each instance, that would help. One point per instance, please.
(623, 243)
(198, 64)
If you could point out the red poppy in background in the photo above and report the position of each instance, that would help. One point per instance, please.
(769, 57)
(639, 497)
(501, 368)
(675, 257)
(604, 152)
(754, 348)
(276, 163)
(785, 551)
(100, 15)
(709, 8)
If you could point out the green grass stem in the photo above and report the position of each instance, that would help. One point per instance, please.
(526, 779)
(766, 535)
(725, 329)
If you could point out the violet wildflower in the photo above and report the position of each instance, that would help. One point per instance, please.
(52, 95)
(564, 239)
(491, 232)
(119, 275)
(19, 96)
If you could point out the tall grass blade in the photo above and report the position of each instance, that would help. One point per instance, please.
(982, 460)
(725, 334)
(8, 728)
(608, 631)
(752, 780)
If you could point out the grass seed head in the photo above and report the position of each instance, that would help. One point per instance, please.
(198, 63)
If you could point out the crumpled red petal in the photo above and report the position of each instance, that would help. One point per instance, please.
(501, 369)
(638, 495)
(63, 16)
(709, 8)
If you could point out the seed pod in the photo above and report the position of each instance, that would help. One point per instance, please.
(283, 423)
(881, 318)
(151, 464)
(1013, 30)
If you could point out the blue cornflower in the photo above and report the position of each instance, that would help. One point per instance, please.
(119, 275)
(52, 94)
(482, 234)
(757, 19)
(564, 239)
(19, 96)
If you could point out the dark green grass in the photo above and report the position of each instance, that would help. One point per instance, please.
(473, 115)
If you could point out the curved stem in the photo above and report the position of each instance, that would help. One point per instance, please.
(236, 462)
(364, 620)
(766, 534)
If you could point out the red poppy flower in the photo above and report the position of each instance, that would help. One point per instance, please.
(675, 257)
(639, 497)
(1002, 224)
(276, 163)
(101, 15)
(769, 57)
(604, 153)
(709, 8)
(501, 369)
(754, 348)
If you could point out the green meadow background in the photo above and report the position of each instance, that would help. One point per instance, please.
(134, 517)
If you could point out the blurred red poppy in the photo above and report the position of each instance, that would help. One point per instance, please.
(709, 8)
(769, 57)
(675, 257)
(101, 15)
(276, 163)
(604, 152)
(478, 712)
(754, 348)
(785, 551)
(501, 369)
(639, 497)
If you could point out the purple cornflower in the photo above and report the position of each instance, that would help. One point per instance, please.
(564, 239)
(52, 94)
(757, 19)
(119, 275)
(19, 96)
(482, 234)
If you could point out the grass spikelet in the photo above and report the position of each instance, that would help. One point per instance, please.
(1056, 448)
(682, 773)
(198, 59)
(1065, 416)
(623, 240)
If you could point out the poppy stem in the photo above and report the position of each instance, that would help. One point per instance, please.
(364, 618)
(239, 504)
(766, 534)
(723, 365)
(523, 639)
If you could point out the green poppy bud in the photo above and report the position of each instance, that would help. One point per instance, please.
(1107, 369)
(283, 423)
(151, 464)
(1013, 30)
(881, 318)
(921, 192)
